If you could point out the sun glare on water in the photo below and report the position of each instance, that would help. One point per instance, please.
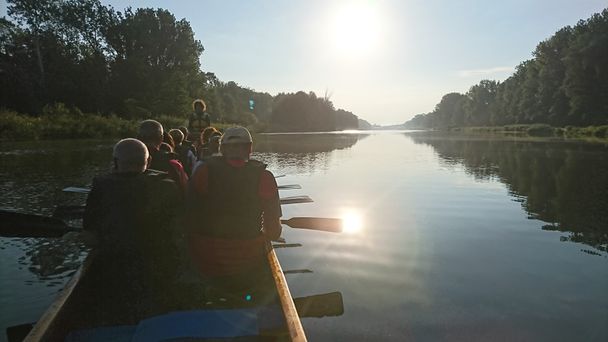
(356, 30)
(351, 222)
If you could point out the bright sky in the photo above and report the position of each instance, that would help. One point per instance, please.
(383, 60)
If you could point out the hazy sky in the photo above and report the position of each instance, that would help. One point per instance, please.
(383, 60)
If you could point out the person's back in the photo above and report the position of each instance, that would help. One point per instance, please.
(233, 209)
(182, 149)
(132, 212)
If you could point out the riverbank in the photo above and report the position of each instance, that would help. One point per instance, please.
(64, 123)
(540, 130)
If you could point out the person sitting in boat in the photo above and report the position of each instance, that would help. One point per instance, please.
(199, 119)
(181, 149)
(151, 134)
(206, 150)
(186, 140)
(209, 146)
(168, 145)
(233, 209)
(192, 153)
(130, 212)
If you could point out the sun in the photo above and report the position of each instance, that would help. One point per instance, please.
(356, 30)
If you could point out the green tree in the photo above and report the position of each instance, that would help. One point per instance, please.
(586, 81)
(480, 103)
(157, 58)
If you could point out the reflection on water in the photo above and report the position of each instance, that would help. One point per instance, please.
(450, 245)
(352, 222)
(33, 174)
(296, 143)
(563, 184)
(299, 153)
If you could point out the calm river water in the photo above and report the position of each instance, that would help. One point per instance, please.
(462, 238)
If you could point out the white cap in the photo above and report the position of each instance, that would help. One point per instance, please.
(236, 135)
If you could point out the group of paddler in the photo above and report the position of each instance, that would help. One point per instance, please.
(153, 226)
(172, 237)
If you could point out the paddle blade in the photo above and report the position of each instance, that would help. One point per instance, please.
(14, 224)
(18, 332)
(289, 187)
(76, 190)
(323, 305)
(315, 223)
(286, 245)
(295, 199)
(69, 212)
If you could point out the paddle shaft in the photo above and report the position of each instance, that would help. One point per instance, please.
(83, 190)
(14, 224)
(76, 211)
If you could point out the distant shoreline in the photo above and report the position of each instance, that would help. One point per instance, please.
(534, 130)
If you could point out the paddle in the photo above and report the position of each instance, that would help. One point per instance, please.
(295, 199)
(297, 271)
(333, 225)
(14, 224)
(286, 245)
(289, 187)
(19, 332)
(76, 211)
(80, 190)
(322, 305)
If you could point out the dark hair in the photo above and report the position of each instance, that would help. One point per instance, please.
(168, 139)
(184, 130)
(200, 103)
(165, 147)
(207, 133)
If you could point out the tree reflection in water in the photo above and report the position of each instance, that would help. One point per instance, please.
(564, 184)
(302, 152)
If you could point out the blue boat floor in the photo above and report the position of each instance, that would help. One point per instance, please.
(189, 325)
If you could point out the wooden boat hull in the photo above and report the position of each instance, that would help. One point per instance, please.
(77, 314)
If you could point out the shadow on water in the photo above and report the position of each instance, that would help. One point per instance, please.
(561, 183)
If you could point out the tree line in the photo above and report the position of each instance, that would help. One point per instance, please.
(565, 83)
(132, 64)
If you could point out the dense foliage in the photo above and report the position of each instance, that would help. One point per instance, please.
(307, 112)
(566, 83)
(133, 64)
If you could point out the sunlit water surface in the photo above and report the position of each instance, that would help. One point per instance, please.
(448, 238)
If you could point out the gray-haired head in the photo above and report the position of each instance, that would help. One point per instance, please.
(130, 155)
(177, 136)
(150, 132)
